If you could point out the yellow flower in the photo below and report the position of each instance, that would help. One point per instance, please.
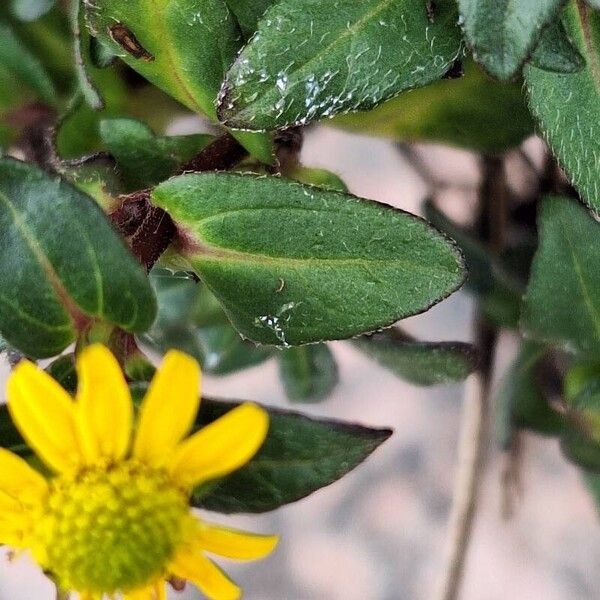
(115, 519)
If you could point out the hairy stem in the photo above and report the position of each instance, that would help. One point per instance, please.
(474, 435)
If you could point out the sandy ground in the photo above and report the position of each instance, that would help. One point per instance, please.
(379, 533)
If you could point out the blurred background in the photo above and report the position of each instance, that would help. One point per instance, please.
(380, 533)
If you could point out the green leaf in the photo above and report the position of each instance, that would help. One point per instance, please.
(468, 112)
(182, 46)
(10, 438)
(299, 456)
(309, 373)
(24, 66)
(30, 10)
(63, 370)
(420, 363)
(319, 177)
(309, 61)
(503, 33)
(143, 158)
(248, 12)
(567, 106)
(562, 304)
(556, 52)
(520, 400)
(291, 265)
(62, 265)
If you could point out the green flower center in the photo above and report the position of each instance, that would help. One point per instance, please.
(111, 529)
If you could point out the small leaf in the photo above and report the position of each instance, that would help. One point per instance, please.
(299, 456)
(62, 265)
(24, 66)
(468, 112)
(562, 304)
(420, 363)
(520, 400)
(143, 158)
(280, 256)
(318, 177)
(556, 53)
(503, 33)
(309, 373)
(10, 438)
(309, 61)
(63, 370)
(567, 106)
(248, 12)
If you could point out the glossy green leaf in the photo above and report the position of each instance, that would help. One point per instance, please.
(310, 60)
(503, 33)
(145, 159)
(567, 107)
(280, 255)
(17, 59)
(183, 46)
(556, 53)
(581, 434)
(420, 363)
(468, 112)
(308, 373)
(520, 399)
(248, 12)
(299, 456)
(562, 304)
(62, 265)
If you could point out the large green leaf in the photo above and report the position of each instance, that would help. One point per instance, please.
(62, 266)
(308, 373)
(420, 363)
(295, 264)
(182, 46)
(310, 60)
(562, 304)
(469, 112)
(567, 106)
(503, 33)
(556, 53)
(299, 456)
(145, 159)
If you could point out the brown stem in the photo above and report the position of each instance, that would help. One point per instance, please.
(474, 436)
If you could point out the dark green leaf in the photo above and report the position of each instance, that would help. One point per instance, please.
(562, 304)
(567, 106)
(24, 66)
(309, 373)
(502, 33)
(248, 12)
(520, 400)
(309, 61)
(468, 112)
(63, 370)
(420, 363)
(556, 53)
(299, 456)
(61, 264)
(280, 256)
(143, 158)
(184, 47)
(10, 438)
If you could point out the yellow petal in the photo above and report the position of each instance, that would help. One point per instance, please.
(104, 405)
(169, 408)
(19, 481)
(221, 447)
(45, 415)
(205, 575)
(146, 593)
(232, 543)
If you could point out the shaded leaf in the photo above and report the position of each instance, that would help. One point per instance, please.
(248, 12)
(299, 456)
(420, 363)
(280, 255)
(556, 53)
(63, 370)
(567, 106)
(562, 303)
(145, 159)
(308, 62)
(308, 373)
(503, 33)
(469, 112)
(62, 266)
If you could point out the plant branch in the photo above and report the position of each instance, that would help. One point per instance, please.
(474, 435)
